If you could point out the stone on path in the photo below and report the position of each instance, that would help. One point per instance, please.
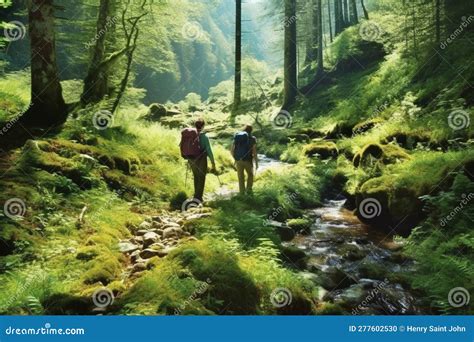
(127, 247)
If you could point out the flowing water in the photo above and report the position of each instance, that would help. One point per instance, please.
(357, 266)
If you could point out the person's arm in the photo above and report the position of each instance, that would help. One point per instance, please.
(254, 154)
(207, 147)
(232, 150)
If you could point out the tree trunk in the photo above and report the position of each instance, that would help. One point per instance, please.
(346, 18)
(238, 54)
(366, 13)
(312, 41)
(337, 18)
(96, 81)
(340, 16)
(354, 14)
(131, 35)
(47, 106)
(319, 17)
(438, 21)
(290, 67)
(330, 21)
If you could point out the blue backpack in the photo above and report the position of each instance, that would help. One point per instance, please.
(242, 145)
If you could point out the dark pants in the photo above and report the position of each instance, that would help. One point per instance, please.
(199, 168)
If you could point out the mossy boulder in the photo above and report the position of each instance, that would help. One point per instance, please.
(410, 140)
(334, 278)
(156, 111)
(67, 304)
(323, 149)
(300, 225)
(366, 126)
(103, 269)
(387, 154)
(299, 137)
(339, 130)
(294, 256)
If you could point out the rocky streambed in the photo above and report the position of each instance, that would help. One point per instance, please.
(357, 267)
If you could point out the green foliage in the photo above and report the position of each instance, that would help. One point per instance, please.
(449, 242)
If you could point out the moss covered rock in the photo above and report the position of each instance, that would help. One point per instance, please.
(323, 149)
(300, 225)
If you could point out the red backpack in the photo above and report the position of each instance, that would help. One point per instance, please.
(190, 146)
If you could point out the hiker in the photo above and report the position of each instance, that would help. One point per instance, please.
(244, 151)
(195, 148)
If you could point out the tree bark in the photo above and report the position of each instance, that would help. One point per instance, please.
(131, 44)
(238, 54)
(312, 41)
(353, 11)
(366, 13)
(339, 15)
(96, 81)
(330, 21)
(438, 20)
(290, 67)
(346, 18)
(320, 69)
(47, 105)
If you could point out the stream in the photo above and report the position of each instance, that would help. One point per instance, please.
(358, 267)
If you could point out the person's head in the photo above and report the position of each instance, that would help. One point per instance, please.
(199, 124)
(248, 129)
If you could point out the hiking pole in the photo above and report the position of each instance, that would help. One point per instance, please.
(218, 179)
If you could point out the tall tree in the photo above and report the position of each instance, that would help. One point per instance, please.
(338, 20)
(330, 21)
(319, 16)
(131, 31)
(353, 12)
(47, 103)
(290, 55)
(346, 19)
(238, 54)
(364, 9)
(438, 20)
(96, 81)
